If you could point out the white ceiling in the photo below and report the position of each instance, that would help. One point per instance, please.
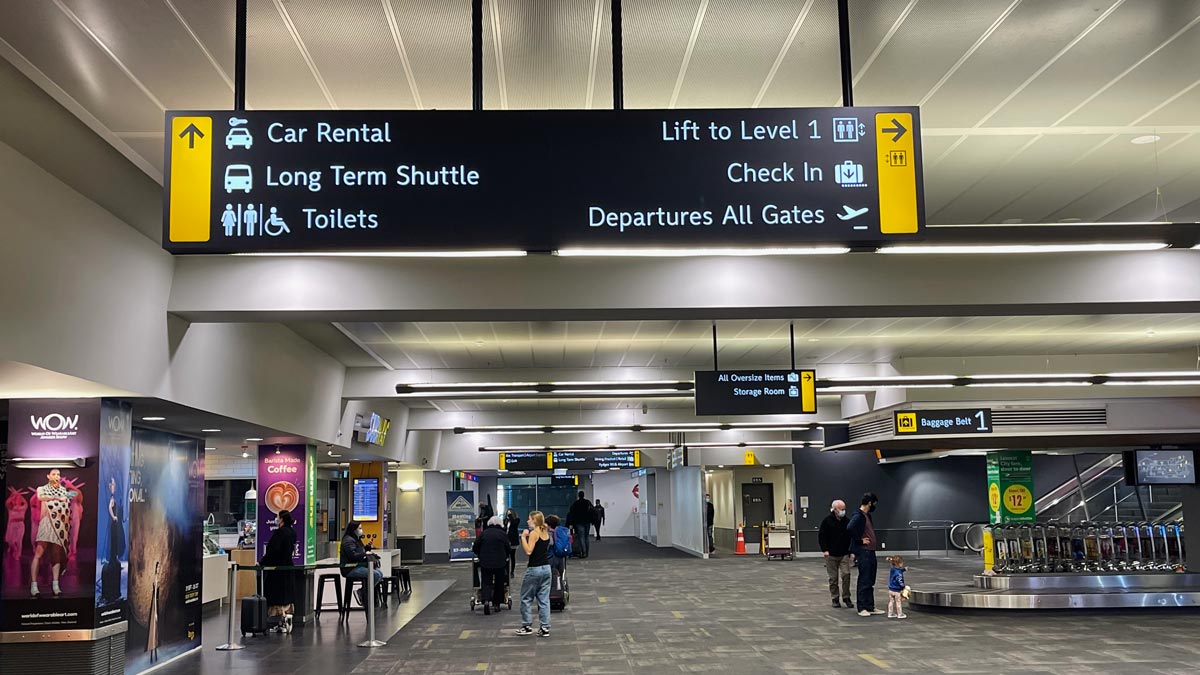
(688, 344)
(1028, 106)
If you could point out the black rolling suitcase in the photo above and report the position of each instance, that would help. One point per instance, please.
(254, 613)
(560, 592)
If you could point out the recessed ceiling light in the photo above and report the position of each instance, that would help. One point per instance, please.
(245, 454)
(210, 431)
(444, 471)
(766, 466)
(720, 466)
(210, 448)
(253, 440)
(153, 419)
(1145, 140)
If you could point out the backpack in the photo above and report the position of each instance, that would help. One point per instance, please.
(562, 542)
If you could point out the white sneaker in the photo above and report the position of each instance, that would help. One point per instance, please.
(901, 616)
(864, 612)
(891, 616)
(877, 611)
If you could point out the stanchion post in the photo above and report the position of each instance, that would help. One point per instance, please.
(232, 644)
(371, 641)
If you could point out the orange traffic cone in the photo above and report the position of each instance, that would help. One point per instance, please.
(741, 542)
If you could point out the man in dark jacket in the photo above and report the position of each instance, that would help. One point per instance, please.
(492, 550)
(580, 520)
(598, 512)
(835, 545)
(862, 552)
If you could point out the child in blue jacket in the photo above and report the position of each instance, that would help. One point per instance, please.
(896, 588)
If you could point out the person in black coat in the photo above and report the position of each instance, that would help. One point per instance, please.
(710, 516)
(599, 517)
(513, 524)
(492, 550)
(279, 586)
(580, 520)
(834, 541)
(355, 553)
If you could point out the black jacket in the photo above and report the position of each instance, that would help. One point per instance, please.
(353, 551)
(833, 536)
(599, 510)
(710, 514)
(278, 585)
(581, 513)
(514, 531)
(492, 548)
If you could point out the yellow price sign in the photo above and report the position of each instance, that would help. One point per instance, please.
(994, 496)
(1017, 498)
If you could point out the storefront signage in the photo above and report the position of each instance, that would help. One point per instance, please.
(941, 422)
(756, 392)
(539, 180)
(283, 485)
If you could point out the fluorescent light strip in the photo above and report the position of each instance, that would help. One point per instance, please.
(385, 254)
(1031, 384)
(1154, 383)
(852, 388)
(660, 428)
(696, 252)
(893, 378)
(1025, 248)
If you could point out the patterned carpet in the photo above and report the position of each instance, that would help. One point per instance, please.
(635, 609)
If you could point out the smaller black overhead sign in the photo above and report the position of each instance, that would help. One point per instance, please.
(756, 392)
(525, 461)
(942, 422)
(604, 459)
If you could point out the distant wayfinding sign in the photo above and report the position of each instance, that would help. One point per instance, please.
(299, 181)
(756, 392)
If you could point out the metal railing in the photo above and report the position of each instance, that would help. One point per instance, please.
(233, 645)
(943, 525)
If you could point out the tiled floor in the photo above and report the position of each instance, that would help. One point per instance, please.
(637, 609)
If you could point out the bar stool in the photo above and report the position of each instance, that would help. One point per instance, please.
(403, 578)
(337, 590)
(348, 596)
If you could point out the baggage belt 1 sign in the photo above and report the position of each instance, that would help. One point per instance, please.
(940, 422)
(297, 181)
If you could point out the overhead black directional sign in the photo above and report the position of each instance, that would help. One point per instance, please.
(756, 392)
(539, 180)
(941, 422)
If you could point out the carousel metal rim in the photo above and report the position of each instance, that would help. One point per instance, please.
(1112, 599)
(1077, 581)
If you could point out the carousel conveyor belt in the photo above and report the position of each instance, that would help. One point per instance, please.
(1063, 591)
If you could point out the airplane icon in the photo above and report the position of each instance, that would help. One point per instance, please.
(851, 214)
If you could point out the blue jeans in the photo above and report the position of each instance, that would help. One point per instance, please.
(361, 573)
(582, 534)
(867, 568)
(536, 584)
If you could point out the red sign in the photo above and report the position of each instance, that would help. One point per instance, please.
(636, 490)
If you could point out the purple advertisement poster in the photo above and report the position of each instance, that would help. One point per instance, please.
(282, 474)
(111, 512)
(49, 555)
(166, 535)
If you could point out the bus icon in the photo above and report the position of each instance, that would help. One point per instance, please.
(238, 177)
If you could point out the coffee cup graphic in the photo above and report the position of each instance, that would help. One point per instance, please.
(282, 496)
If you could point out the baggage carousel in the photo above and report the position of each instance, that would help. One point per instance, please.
(1063, 591)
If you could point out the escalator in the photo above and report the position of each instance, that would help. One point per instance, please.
(1100, 495)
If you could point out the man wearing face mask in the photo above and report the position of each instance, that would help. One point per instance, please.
(835, 545)
(353, 552)
(862, 553)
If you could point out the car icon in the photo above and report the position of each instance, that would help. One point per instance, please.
(240, 137)
(238, 177)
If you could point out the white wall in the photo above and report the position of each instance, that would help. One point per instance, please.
(725, 498)
(687, 509)
(410, 506)
(664, 505)
(614, 489)
(437, 532)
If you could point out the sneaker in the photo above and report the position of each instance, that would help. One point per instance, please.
(525, 630)
(901, 616)
(847, 604)
(544, 632)
(891, 616)
(877, 611)
(837, 605)
(864, 613)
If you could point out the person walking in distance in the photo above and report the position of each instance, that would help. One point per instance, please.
(513, 524)
(835, 546)
(862, 552)
(535, 541)
(599, 518)
(580, 520)
(710, 515)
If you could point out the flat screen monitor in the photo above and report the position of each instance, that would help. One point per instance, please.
(1162, 467)
(366, 500)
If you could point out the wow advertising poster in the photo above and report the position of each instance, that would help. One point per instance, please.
(111, 513)
(49, 554)
(166, 513)
(460, 515)
(282, 485)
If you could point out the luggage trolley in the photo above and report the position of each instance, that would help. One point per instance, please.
(476, 591)
(778, 541)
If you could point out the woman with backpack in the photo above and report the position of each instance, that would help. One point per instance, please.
(535, 541)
